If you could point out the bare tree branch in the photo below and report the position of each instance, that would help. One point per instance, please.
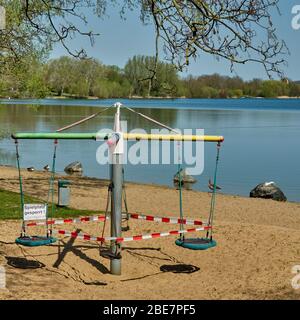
(223, 28)
(239, 31)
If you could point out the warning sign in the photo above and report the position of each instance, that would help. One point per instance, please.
(35, 212)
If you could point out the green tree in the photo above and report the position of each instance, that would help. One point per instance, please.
(272, 89)
(86, 77)
(60, 75)
(294, 89)
(34, 84)
(24, 80)
(149, 77)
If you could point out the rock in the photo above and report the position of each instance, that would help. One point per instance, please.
(185, 178)
(74, 167)
(268, 190)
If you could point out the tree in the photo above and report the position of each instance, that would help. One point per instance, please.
(223, 28)
(59, 76)
(33, 81)
(24, 80)
(294, 89)
(35, 25)
(272, 89)
(149, 77)
(85, 77)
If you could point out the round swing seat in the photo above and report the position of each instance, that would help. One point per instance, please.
(35, 241)
(196, 243)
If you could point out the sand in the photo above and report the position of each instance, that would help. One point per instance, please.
(258, 244)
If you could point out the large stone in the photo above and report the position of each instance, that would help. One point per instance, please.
(185, 178)
(74, 167)
(268, 190)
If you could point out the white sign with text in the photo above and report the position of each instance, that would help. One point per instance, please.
(35, 212)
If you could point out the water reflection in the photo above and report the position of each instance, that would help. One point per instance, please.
(7, 158)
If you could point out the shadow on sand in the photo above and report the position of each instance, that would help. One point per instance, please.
(69, 247)
(23, 263)
(176, 266)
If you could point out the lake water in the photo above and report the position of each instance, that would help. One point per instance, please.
(262, 138)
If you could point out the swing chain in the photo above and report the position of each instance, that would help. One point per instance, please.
(51, 190)
(213, 198)
(23, 228)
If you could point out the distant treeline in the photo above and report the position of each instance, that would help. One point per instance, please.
(141, 77)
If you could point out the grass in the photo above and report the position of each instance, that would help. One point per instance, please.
(10, 207)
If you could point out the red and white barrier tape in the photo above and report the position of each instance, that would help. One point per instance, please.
(66, 221)
(127, 239)
(171, 220)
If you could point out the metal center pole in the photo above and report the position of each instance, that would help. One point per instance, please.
(116, 199)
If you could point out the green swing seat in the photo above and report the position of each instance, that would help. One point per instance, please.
(196, 243)
(35, 241)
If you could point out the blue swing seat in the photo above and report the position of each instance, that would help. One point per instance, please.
(196, 243)
(35, 241)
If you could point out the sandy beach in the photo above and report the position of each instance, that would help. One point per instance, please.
(258, 244)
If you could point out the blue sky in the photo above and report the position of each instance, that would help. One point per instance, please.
(119, 40)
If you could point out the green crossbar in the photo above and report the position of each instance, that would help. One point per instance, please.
(56, 135)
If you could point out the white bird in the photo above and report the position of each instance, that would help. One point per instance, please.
(269, 183)
(30, 169)
(46, 168)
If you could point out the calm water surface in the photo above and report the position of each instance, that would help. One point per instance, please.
(262, 138)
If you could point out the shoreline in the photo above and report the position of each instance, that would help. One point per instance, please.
(75, 177)
(10, 174)
(148, 98)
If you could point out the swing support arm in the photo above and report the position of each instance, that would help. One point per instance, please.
(106, 136)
